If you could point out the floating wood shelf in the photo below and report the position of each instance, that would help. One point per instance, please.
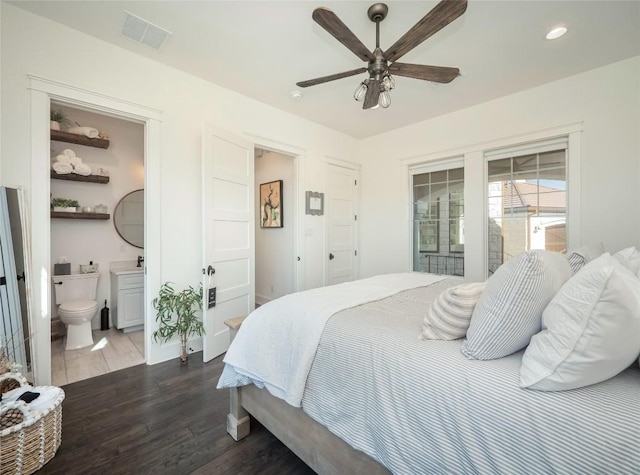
(76, 215)
(60, 136)
(76, 177)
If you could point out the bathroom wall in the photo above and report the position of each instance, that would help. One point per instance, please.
(274, 246)
(79, 240)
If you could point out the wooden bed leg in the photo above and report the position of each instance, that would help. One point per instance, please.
(238, 422)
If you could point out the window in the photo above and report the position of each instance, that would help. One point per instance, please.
(527, 202)
(438, 221)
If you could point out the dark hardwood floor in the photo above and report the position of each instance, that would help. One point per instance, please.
(165, 418)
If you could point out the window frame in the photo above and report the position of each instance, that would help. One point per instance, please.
(475, 189)
(419, 169)
(532, 148)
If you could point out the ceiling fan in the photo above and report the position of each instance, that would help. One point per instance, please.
(381, 64)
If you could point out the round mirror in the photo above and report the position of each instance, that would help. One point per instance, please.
(128, 218)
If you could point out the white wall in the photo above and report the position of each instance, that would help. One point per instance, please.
(81, 241)
(33, 45)
(275, 246)
(605, 100)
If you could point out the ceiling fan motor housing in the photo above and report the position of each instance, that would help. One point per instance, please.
(378, 66)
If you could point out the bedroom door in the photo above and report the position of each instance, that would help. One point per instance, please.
(228, 242)
(342, 222)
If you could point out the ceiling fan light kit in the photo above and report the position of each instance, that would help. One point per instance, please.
(374, 90)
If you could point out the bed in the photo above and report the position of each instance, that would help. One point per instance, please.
(376, 399)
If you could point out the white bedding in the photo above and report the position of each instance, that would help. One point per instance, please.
(261, 353)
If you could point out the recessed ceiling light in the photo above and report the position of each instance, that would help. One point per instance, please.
(556, 33)
(296, 95)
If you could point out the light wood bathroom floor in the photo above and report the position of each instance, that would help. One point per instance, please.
(112, 350)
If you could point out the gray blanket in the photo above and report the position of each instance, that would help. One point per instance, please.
(420, 407)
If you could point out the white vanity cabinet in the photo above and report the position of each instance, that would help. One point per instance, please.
(127, 299)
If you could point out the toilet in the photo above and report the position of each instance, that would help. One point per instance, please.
(77, 305)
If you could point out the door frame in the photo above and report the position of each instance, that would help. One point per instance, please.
(331, 161)
(42, 92)
(298, 155)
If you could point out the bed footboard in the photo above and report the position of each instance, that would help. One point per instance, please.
(321, 450)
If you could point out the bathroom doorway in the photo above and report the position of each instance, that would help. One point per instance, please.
(275, 230)
(100, 231)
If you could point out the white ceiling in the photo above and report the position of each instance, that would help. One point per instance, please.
(262, 48)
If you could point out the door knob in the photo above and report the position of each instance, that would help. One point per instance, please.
(331, 256)
(209, 271)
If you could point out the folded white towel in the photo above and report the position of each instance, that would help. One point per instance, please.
(82, 169)
(75, 161)
(69, 153)
(63, 159)
(62, 168)
(88, 131)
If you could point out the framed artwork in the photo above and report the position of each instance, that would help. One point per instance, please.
(314, 203)
(271, 204)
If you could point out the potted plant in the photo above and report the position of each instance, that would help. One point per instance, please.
(58, 118)
(63, 204)
(176, 314)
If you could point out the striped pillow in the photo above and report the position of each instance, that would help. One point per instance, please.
(509, 311)
(449, 315)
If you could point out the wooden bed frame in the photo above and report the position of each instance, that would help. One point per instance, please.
(320, 449)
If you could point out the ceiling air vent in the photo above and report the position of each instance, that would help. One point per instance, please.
(143, 31)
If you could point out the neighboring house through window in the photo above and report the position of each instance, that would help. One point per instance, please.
(527, 202)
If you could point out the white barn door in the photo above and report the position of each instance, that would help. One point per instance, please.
(228, 241)
(342, 223)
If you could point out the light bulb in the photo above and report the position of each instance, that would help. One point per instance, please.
(385, 99)
(360, 92)
(388, 82)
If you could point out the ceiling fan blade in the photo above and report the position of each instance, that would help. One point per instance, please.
(373, 94)
(428, 73)
(333, 77)
(330, 22)
(440, 16)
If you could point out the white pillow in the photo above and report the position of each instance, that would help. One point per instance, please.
(509, 310)
(449, 315)
(579, 258)
(630, 258)
(591, 330)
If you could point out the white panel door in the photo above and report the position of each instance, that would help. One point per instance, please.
(228, 241)
(342, 222)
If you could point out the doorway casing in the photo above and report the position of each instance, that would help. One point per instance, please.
(297, 154)
(42, 92)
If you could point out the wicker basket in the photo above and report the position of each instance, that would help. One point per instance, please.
(28, 445)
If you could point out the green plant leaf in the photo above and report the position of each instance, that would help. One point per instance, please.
(176, 312)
